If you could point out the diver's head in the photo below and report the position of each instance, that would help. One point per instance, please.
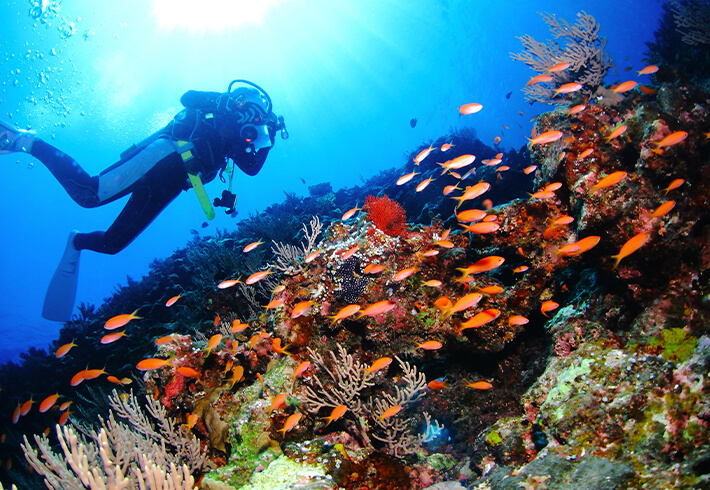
(248, 125)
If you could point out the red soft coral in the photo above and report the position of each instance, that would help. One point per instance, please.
(386, 214)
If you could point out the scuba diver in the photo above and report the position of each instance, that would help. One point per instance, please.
(214, 132)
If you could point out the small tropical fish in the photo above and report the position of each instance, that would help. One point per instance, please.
(443, 303)
(406, 178)
(64, 418)
(672, 139)
(188, 372)
(373, 269)
(430, 253)
(257, 276)
(450, 188)
(403, 274)
(429, 345)
(379, 364)
(479, 319)
(390, 412)
(237, 326)
(65, 405)
(568, 88)
(151, 363)
(300, 369)
(481, 228)
(164, 340)
(464, 303)
(472, 192)
(552, 187)
(350, 213)
(586, 153)
(377, 308)
(173, 300)
(663, 209)
(648, 70)
(252, 246)
(345, 312)
(64, 349)
(562, 66)
(337, 412)
(491, 162)
(480, 385)
(351, 251)
(191, 421)
(291, 422)
(563, 220)
(112, 337)
(432, 283)
(48, 402)
(471, 108)
(617, 132)
(609, 180)
(78, 378)
(471, 215)
(576, 109)
(16, 413)
(674, 185)
(302, 308)
(548, 306)
(213, 342)
(278, 400)
(217, 321)
(625, 87)
(237, 376)
(492, 290)
(120, 320)
(445, 235)
(438, 384)
(93, 373)
(311, 257)
(276, 344)
(446, 146)
(546, 137)
(538, 79)
(580, 246)
(424, 184)
(122, 381)
(646, 90)
(517, 320)
(496, 140)
(228, 283)
(633, 244)
(483, 265)
(423, 154)
(543, 194)
(274, 303)
(530, 169)
(520, 269)
(444, 244)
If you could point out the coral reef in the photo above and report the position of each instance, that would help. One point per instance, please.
(388, 215)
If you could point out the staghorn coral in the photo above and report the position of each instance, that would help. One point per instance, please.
(386, 214)
(583, 50)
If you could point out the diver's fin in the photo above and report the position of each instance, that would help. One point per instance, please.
(61, 293)
(13, 139)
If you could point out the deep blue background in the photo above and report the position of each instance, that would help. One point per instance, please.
(347, 76)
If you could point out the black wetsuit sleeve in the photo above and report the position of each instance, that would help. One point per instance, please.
(195, 99)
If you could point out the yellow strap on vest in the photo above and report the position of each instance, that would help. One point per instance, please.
(185, 151)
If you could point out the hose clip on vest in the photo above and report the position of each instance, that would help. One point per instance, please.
(185, 150)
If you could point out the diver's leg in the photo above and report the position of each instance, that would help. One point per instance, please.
(81, 187)
(13, 139)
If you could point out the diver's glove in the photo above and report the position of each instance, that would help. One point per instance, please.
(228, 200)
(13, 139)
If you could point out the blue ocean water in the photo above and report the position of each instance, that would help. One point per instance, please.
(92, 78)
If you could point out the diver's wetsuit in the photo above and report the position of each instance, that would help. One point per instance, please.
(154, 174)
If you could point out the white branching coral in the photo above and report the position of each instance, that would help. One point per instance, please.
(692, 19)
(289, 257)
(583, 49)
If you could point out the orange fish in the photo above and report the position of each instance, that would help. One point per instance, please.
(424, 184)
(252, 246)
(311, 257)
(432, 283)
(538, 79)
(380, 363)
(646, 89)
(609, 180)
(302, 308)
(278, 400)
(471, 108)
(377, 308)
(443, 303)
(78, 378)
(64, 418)
(115, 380)
(237, 326)
(648, 70)
(617, 132)
(625, 87)
(480, 385)
(663, 209)
(373, 269)
(543, 194)
(403, 274)
(548, 306)
(291, 422)
(48, 402)
(450, 188)
(457, 163)
(483, 265)
(468, 301)
(446, 146)
(390, 412)
(579, 247)
(429, 345)
(633, 244)
(26, 407)
(62, 351)
(65, 405)
(517, 320)
(471, 215)
(350, 213)
(188, 372)
(217, 320)
(237, 376)
(300, 369)
(503, 168)
(552, 187)
(213, 342)
(345, 312)
(257, 276)
(530, 169)
(164, 340)
(672, 139)
(152, 363)
(406, 178)
(93, 373)
(472, 192)
(423, 154)
(520, 269)
(438, 385)
(337, 412)
(586, 153)
(576, 109)
(191, 421)
(561, 66)
(274, 303)
(544, 138)
(173, 300)
(351, 251)
(479, 319)
(563, 220)
(276, 344)
(481, 228)
(568, 88)
(112, 337)
(120, 320)
(492, 290)
(16, 413)
(228, 283)
(674, 185)
(444, 244)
